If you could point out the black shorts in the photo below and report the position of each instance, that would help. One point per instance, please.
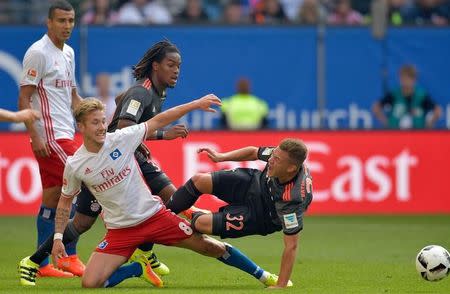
(232, 186)
(245, 215)
(87, 204)
(155, 178)
(233, 221)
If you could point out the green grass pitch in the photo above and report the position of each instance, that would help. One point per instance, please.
(346, 254)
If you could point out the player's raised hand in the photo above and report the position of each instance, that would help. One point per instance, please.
(206, 102)
(58, 251)
(212, 154)
(177, 131)
(26, 115)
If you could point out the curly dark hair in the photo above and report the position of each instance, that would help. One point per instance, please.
(156, 53)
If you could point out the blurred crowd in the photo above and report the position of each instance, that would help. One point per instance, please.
(233, 12)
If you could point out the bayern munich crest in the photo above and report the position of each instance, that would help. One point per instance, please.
(95, 206)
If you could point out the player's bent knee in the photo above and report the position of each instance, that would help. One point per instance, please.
(202, 223)
(50, 196)
(202, 181)
(91, 282)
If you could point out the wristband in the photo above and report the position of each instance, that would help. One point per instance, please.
(58, 236)
(159, 135)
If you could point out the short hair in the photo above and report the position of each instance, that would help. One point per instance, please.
(143, 69)
(408, 70)
(87, 106)
(243, 86)
(296, 150)
(59, 4)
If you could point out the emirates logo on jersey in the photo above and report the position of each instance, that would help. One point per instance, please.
(113, 181)
(63, 83)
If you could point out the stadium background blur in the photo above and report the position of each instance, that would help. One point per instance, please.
(320, 75)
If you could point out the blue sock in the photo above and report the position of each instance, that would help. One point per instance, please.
(124, 272)
(71, 248)
(45, 223)
(236, 258)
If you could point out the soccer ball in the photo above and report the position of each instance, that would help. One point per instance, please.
(433, 263)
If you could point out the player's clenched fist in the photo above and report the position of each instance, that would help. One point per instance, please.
(206, 102)
(176, 131)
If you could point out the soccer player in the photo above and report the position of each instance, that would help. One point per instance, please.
(157, 70)
(106, 165)
(259, 202)
(26, 115)
(48, 85)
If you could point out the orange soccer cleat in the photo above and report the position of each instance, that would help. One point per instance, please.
(72, 264)
(50, 271)
(147, 272)
(190, 211)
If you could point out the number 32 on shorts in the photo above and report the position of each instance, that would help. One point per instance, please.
(185, 228)
(234, 222)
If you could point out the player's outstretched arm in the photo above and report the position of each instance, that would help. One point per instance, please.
(164, 118)
(61, 219)
(243, 154)
(287, 260)
(26, 115)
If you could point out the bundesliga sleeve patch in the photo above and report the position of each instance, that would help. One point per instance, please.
(267, 151)
(133, 107)
(32, 74)
(290, 220)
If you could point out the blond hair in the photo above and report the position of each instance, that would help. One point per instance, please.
(86, 106)
(296, 149)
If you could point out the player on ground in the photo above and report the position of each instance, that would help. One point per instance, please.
(105, 164)
(48, 85)
(26, 115)
(157, 70)
(260, 202)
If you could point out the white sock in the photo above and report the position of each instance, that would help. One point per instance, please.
(264, 276)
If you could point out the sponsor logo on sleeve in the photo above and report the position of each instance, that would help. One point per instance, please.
(133, 107)
(290, 220)
(115, 154)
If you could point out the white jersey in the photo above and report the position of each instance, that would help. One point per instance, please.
(52, 71)
(114, 178)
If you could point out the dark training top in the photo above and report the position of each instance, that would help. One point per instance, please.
(285, 202)
(139, 103)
